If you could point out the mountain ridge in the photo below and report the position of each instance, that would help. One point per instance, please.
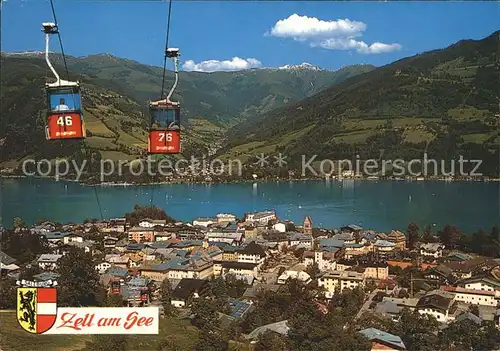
(413, 104)
(115, 93)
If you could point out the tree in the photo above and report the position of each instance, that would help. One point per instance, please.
(416, 330)
(271, 341)
(488, 336)
(29, 271)
(217, 292)
(474, 309)
(166, 298)
(450, 236)
(428, 237)
(79, 281)
(405, 276)
(370, 285)
(18, 223)
(467, 335)
(206, 319)
(211, 340)
(495, 234)
(107, 343)
(235, 287)
(413, 235)
(313, 270)
(310, 329)
(114, 300)
(348, 301)
(141, 212)
(205, 314)
(168, 344)
(8, 297)
(23, 246)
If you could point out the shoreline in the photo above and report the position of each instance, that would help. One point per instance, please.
(329, 213)
(260, 180)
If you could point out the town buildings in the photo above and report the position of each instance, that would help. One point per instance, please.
(340, 280)
(266, 254)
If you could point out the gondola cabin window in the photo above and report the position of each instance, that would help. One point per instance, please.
(165, 118)
(64, 119)
(64, 100)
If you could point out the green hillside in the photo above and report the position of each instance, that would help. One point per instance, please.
(12, 337)
(220, 97)
(443, 101)
(115, 93)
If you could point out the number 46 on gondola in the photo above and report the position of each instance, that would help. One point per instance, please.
(64, 111)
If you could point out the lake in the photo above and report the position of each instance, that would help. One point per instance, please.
(380, 205)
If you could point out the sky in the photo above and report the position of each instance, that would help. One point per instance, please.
(225, 35)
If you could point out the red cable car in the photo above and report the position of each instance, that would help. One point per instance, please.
(115, 287)
(64, 112)
(165, 130)
(144, 295)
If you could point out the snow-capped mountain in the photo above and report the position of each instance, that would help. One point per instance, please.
(25, 53)
(302, 66)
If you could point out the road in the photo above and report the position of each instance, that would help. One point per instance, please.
(367, 303)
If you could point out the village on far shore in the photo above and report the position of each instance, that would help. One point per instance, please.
(265, 252)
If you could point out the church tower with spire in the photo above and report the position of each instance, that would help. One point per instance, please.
(308, 229)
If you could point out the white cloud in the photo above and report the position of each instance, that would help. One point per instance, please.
(359, 46)
(332, 35)
(378, 48)
(303, 27)
(235, 64)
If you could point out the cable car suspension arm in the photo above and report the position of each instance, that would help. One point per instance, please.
(49, 29)
(166, 49)
(59, 37)
(176, 71)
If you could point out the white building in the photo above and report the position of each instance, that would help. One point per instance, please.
(340, 280)
(384, 245)
(473, 297)
(280, 227)
(432, 250)
(261, 218)
(117, 225)
(234, 239)
(85, 245)
(377, 271)
(225, 217)
(43, 228)
(200, 269)
(252, 253)
(186, 291)
(295, 239)
(482, 284)
(102, 267)
(295, 272)
(117, 260)
(437, 304)
(109, 242)
(324, 259)
(205, 222)
(239, 268)
(151, 223)
(48, 261)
